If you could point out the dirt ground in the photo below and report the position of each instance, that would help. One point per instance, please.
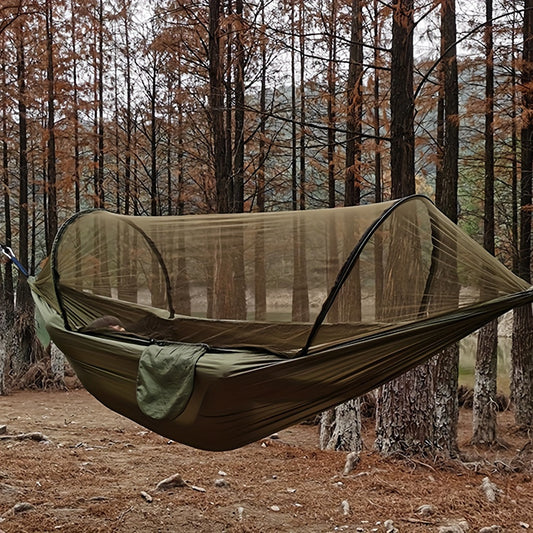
(98, 472)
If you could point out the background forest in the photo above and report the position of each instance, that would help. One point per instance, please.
(182, 107)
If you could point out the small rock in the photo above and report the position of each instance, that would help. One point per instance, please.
(221, 482)
(345, 507)
(8, 489)
(3, 429)
(198, 489)
(491, 529)
(146, 496)
(274, 508)
(425, 510)
(22, 507)
(291, 491)
(523, 525)
(351, 462)
(240, 512)
(222, 473)
(389, 526)
(490, 489)
(274, 436)
(455, 526)
(171, 482)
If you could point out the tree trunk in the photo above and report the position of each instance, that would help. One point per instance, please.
(485, 385)
(378, 194)
(352, 193)
(402, 100)
(405, 414)
(294, 140)
(522, 360)
(260, 303)
(75, 103)
(216, 107)
(331, 103)
(129, 126)
(340, 427)
(7, 297)
(447, 361)
(3, 353)
(51, 187)
(300, 292)
(484, 409)
(8, 300)
(405, 406)
(27, 346)
(57, 366)
(100, 100)
(521, 368)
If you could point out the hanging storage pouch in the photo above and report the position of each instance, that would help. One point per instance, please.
(165, 379)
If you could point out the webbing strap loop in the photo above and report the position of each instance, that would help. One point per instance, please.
(8, 252)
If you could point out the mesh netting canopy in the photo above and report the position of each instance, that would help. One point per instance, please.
(260, 320)
(265, 279)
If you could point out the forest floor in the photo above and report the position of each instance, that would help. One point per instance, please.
(88, 469)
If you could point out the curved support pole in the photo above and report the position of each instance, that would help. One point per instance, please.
(56, 275)
(349, 265)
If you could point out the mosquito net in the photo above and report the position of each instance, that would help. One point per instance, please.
(289, 282)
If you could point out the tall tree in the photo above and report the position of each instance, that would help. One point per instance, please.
(404, 421)
(75, 104)
(216, 107)
(7, 300)
(485, 385)
(402, 100)
(260, 300)
(447, 361)
(340, 427)
(378, 172)
(354, 98)
(239, 62)
(331, 32)
(51, 227)
(27, 347)
(522, 348)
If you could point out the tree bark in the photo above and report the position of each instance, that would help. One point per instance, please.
(75, 103)
(522, 348)
(485, 384)
(447, 362)
(340, 427)
(484, 409)
(3, 354)
(216, 107)
(331, 103)
(260, 297)
(57, 365)
(402, 100)
(405, 406)
(354, 98)
(51, 186)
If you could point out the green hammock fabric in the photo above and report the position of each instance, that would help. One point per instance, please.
(280, 315)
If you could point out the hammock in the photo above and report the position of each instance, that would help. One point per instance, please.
(240, 325)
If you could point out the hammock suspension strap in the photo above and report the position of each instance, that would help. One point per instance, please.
(8, 252)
